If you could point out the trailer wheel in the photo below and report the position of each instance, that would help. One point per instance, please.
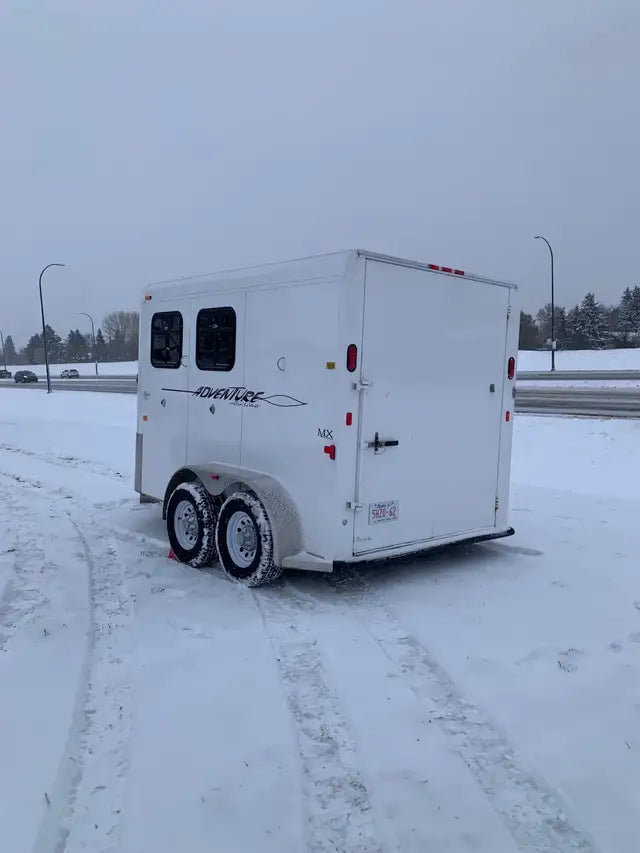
(191, 524)
(245, 542)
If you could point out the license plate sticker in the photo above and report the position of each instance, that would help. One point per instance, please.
(384, 511)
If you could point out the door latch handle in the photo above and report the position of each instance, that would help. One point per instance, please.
(378, 444)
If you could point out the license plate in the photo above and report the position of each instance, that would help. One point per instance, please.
(384, 511)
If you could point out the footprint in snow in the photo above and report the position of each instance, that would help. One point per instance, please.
(565, 662)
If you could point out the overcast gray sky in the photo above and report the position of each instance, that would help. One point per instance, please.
(145, 140)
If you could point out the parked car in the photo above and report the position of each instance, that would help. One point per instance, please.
(70, 374)
(5, 374)
(25, 376)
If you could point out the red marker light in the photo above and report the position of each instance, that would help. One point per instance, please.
(433, 267)
(349, 418)
(507, 417)
(446, 269)
(352, 357)
(330, 450)
(458, 272)
(511, 368)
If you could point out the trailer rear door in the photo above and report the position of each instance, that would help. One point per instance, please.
(434, 357)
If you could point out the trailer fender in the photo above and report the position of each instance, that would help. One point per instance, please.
(222, 480)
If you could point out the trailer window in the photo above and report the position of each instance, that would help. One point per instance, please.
(166, 339)
(216, 339)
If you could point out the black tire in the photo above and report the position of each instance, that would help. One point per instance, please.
(255, 566)
(201, 551)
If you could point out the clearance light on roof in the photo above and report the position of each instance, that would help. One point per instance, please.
(450, 270)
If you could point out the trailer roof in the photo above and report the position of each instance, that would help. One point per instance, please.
(319, 267)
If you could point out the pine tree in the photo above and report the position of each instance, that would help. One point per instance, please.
(635, 313)
(55, 346)
(626, 318)
(571, 333)
(10, 354)
(33, 353)
(543, 319)
(101, 346)
(76, 346)
(529, 332)
(591, 325)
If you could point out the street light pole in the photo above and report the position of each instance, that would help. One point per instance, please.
(93, 333)
(44, 327)
(553, 307)
(4, 352)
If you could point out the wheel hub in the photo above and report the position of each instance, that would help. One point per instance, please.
(186, 525)
(242, 539)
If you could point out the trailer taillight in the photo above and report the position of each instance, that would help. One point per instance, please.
(352, 357)
(511, 368)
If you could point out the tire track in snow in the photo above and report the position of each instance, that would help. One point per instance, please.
(63, 461)
(529, 807)
(336, 802)
(22, 595)
(89, 793)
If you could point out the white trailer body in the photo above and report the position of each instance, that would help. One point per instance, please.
(364, 401)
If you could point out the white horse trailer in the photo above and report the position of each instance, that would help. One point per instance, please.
(337, 409)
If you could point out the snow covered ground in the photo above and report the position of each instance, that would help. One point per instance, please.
(612, 359)
(482, 699)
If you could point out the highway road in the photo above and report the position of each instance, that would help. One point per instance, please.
(580, 375)
(112, 384)
(594, 402)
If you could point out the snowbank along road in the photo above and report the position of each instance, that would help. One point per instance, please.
(483, 698)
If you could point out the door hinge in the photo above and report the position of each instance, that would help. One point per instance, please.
(354, 506)
(509, 311)
(361, 385)
(497, 504)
